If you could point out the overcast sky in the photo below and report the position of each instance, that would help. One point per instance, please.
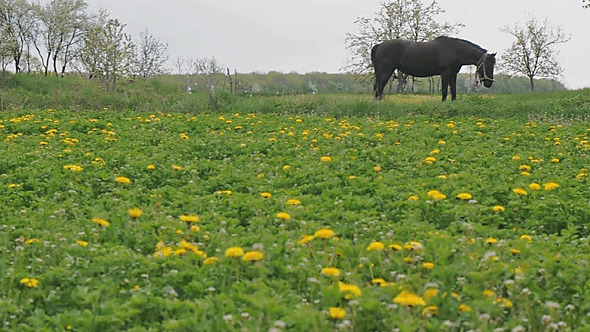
(308, 35)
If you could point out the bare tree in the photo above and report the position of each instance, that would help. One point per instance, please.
(533, 53)
(407, 19)
(151, 55)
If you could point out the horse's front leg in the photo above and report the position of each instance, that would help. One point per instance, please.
(453, 83)
(445, 87)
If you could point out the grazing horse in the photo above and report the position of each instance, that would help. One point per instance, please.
(442, 56)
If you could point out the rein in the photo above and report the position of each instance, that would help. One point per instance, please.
(481, 64)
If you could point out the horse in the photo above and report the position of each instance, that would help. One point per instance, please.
(442, 56)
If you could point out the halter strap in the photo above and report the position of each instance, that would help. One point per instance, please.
(481, 64)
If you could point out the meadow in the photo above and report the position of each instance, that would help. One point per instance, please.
(299, 213)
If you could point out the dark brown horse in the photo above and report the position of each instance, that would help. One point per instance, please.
(443, 56)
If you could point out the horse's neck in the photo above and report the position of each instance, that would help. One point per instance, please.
(471, 56)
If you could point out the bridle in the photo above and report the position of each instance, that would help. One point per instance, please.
(481, 64)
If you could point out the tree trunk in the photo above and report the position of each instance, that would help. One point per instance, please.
(531, 78)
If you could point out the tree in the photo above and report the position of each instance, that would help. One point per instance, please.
(532, 54)
(16, 22)
(116, 53)
(586, 3)
(407, 19)
(61, 25)
(151, 55)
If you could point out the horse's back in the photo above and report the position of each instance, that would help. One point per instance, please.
(389, 52)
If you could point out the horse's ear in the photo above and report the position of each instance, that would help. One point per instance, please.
(493, 54)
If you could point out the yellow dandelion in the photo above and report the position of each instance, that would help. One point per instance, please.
(82, 243)
(376, 246)
(210, 261)
(498, 208)
(151, 167)
(377, 169)
(337, 313)
(413, 198)
(428, 265)
(324, 233)
(252, 256)
(464, 308)
(430, 311)
(514, 251)
(519, 191)
(491, 240)
(122, 179)
(395, 246)
(305, 239)
(526, 237)
(191, 218)
(534, 186)
(293, 201)
(283, 216)
(409, 299)
(351, 291)
(234, 252)
(176, 167)
(266, 194)
(326, 159)
(101, 222)
(29, 282)
(550, 186)
(135, 213)
(331, 271)
(464, 196)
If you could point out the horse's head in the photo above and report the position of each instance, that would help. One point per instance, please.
(485, 69)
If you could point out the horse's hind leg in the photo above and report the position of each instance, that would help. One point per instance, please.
(381, 78)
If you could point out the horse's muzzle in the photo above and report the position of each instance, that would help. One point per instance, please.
(488, 83)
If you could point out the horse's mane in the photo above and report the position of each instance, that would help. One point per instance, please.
(457, 40)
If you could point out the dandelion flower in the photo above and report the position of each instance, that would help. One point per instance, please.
(534, 186)
(413, 246)
(101, 222)
(376, 246)
(151, 167)
(293, 201)
(283, 216)
(191, 218)
(514, 251)
(555, 160)
(252, 256)
(305, 239)
(29, 282)
(337, 313)
(395, 246)
(177, 167)
(81, 243)
(324, 233)
(135, 213)
(519, 191)
(413, 198)
(526, 237)
(326, 159)
(464, 196)
(234, 252)
(377, 169)
(122, 179)
(409, 299)
(491, 240)
(286, 168)
(428, 265)
(266, 194)
(331, 271)
(464, 308)
(352, 291)
(550, 186)
(499, 208)
(210, 261)
(430, 311)
(430, 293)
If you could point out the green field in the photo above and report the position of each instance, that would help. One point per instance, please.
(338, 213)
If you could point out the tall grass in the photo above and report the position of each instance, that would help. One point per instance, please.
(76, 93)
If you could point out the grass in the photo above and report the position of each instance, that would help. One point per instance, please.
(431, 216)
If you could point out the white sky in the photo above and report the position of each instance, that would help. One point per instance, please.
(308, 35)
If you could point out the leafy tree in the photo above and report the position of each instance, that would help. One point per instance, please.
(116, 53)
(407, 19)
(62, 25)
(532, 54)
(151, 55)
(16, 24)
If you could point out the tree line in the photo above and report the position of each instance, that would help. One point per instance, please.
(62, 36)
